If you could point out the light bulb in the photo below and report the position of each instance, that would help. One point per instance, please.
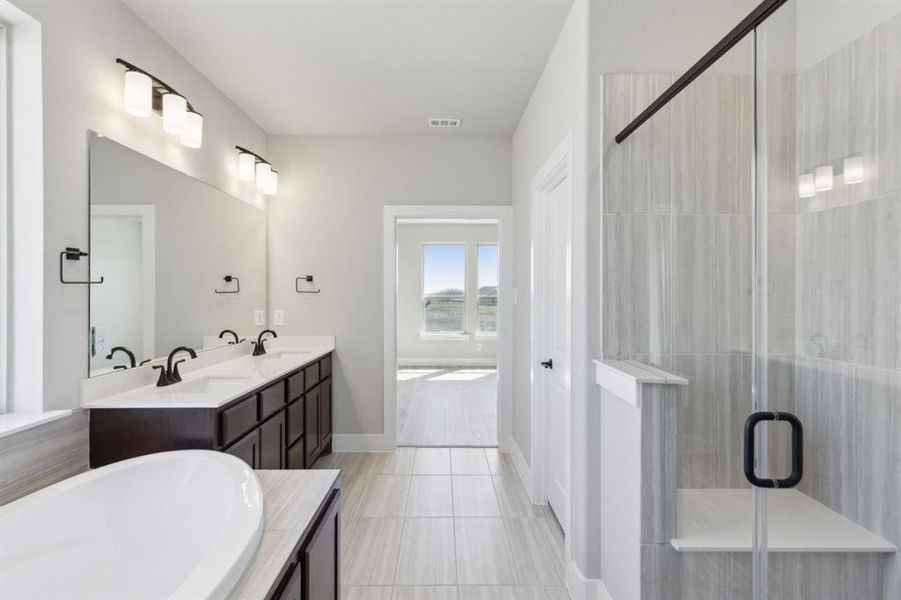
(823, 178)
(138, 94)
(852, 170)
(263, 171)
(271, 187)
(193, 135)
(246, 162)
(806, 187)
(175, 110)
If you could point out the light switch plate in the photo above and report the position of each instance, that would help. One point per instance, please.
(259, 317)
(102, 340)
(278, 317)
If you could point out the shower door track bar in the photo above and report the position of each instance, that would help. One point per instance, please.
(746, 26)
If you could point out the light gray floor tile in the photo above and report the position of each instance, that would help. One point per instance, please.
(512, 497)
(533, 558)
(425, 592)
(498, 463)
(469, 461)
(371, 558)
(399, 462)
(432, 461)
(474, 496)
(385, 496)
(483, 552)
(430, 496)
(427, 553)
(357, 592)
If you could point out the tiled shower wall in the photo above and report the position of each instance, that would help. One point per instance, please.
(848, 365)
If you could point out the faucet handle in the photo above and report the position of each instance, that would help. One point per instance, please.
(175, 376)
(164, 378)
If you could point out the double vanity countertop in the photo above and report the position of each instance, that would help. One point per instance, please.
(215, 378)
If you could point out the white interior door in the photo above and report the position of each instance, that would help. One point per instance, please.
(556, 252)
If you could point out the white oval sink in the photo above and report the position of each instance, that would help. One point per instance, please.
(172, 525)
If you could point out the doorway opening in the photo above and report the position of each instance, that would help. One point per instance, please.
(447, 299)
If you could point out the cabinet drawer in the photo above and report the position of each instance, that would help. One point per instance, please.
(272, 399)
(238, 419)
(325, 366)
(290, 589)
(311, 375)
(295, 421)
(295, 455)
(295, 386)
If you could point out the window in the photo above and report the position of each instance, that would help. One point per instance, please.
(444, 288)
(487, 293)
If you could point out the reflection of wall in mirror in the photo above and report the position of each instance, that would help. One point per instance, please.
(117, 304)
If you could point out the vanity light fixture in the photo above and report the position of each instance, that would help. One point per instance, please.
(823, 178)
(144, 94)
(806, 186)
(852, 170)
(252, 166)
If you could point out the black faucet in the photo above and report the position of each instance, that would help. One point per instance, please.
(169, 374)
(258, 348)
(235, 335)
(131, 356)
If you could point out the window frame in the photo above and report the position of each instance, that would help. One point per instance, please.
(424, 333)
(497, 274)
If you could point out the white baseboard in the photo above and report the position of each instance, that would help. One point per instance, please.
(583, 588)
(447, 362)
(361, 442)
(522, 466)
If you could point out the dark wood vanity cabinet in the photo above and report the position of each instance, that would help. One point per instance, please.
(286, 424)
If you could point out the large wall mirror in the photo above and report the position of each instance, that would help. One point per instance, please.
(180, 260)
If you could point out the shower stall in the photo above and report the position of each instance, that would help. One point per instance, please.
(751, 253)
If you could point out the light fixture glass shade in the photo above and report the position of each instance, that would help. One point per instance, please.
(175, 111)
(193, 134)
(823, 178)
(264, 170)
(271, 187)
(246, 162)
(138, 94)
(806, 187)
(852, 170)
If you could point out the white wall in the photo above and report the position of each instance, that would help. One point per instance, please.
(83, 91)
(558, 107)
(327, 221)
(469, 349)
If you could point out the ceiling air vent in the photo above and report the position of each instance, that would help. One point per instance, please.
(445, 123)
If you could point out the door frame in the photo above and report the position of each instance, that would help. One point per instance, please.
(557, 168)
(147, 215)
(503, 216)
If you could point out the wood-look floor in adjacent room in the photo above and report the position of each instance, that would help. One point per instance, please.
(447, 406)
(443, 524)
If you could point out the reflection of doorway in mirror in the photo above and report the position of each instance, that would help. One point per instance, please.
(123, 307)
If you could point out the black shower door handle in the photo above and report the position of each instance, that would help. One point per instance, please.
(797, 449)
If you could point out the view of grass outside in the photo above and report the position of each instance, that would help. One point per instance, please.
(444, 287)
(487, 265)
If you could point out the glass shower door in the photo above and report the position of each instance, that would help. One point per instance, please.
(827, 302)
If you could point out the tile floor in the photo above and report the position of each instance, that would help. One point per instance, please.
(447, 407)
(443, 524)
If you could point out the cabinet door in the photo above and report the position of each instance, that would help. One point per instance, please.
(311, 425)
(272, 442)
(320, 558)
(325, 410)
(291, 589)
(247, 448)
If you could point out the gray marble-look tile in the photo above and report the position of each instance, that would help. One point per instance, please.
(889, 171)
(780, 295)
(660, 572)
(483, 553)
(431, 592)
(432, 461)
(359, 592)
(371, 558)
(636, 172)
(386, 496)
(430, 496)
(659, 468)
(780, 144)
(532, 557)
(469, 461)
(637, 281)
(427, 553)
(474, 496)
(713, 143)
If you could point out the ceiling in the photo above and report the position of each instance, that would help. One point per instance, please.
(342, 67)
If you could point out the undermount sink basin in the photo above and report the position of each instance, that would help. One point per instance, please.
(207, 385)
(286, 355)
(180, 524)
